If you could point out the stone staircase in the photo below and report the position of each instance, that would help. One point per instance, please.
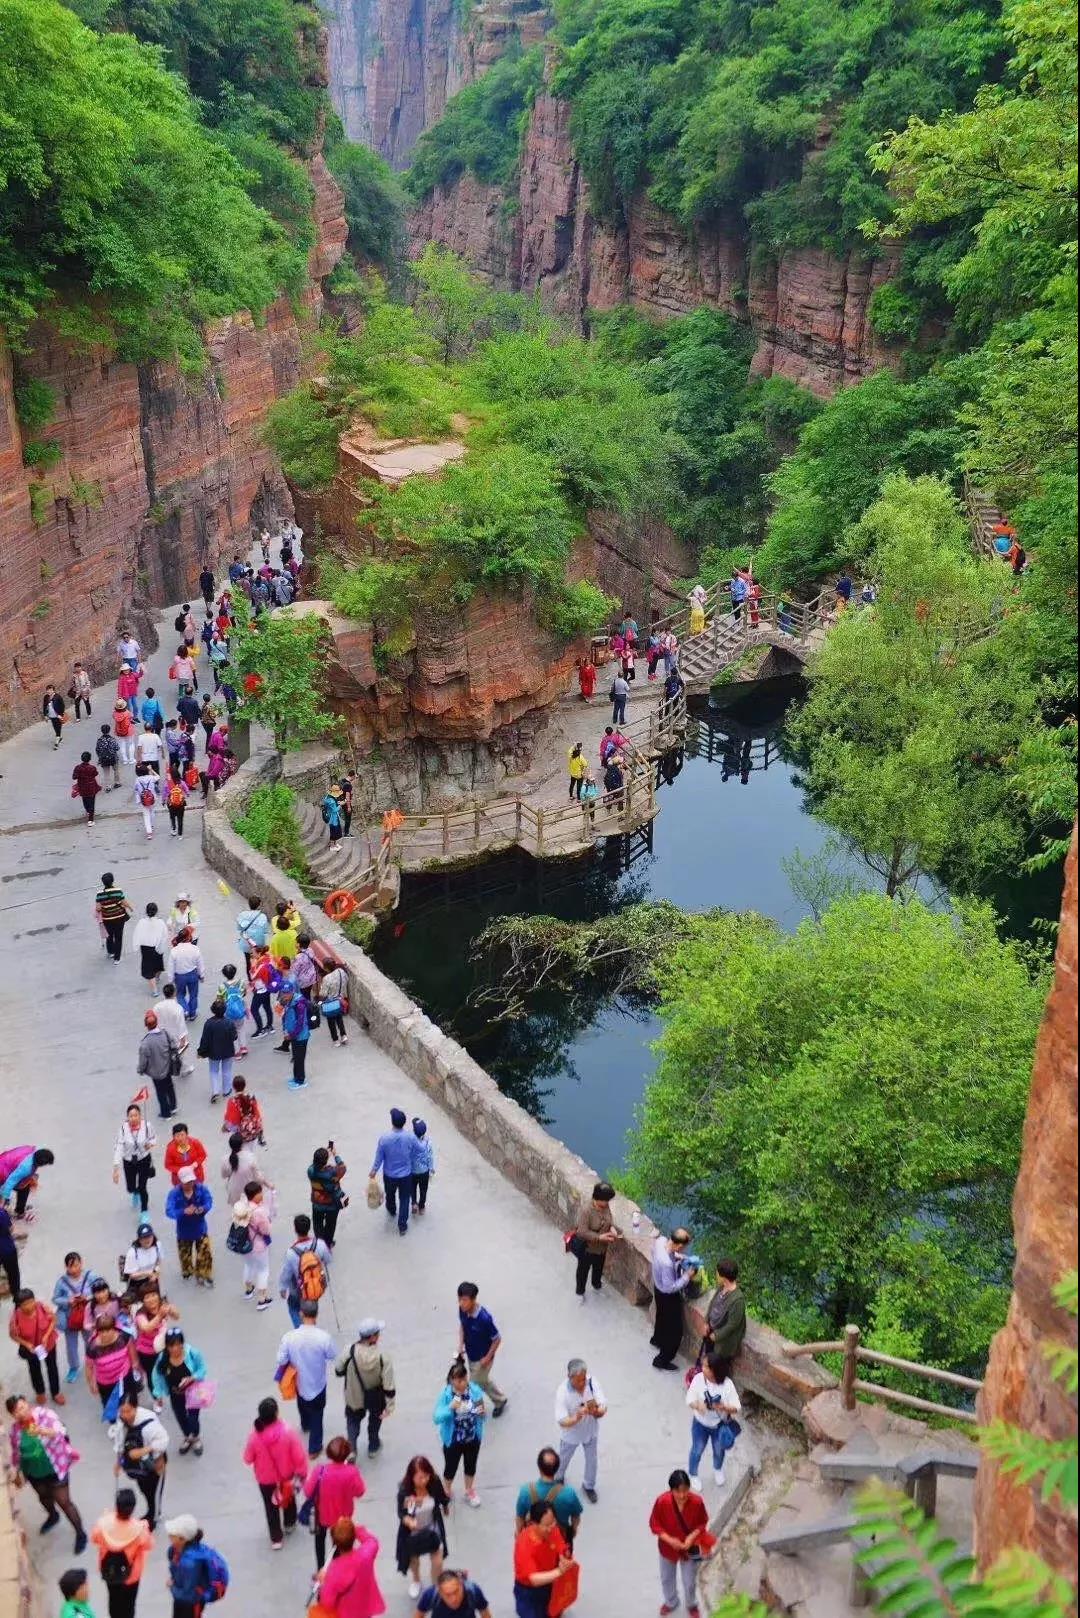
(350, 870)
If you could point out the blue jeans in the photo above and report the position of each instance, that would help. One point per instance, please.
(221, 1076)
(399, 1197)
(294, 1312)
(618, 710)
(700, 1439)
(311, 1412)
(187, 992)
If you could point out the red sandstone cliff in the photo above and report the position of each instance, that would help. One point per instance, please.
(1019, 1387)
(808, 309)
(159, 473)
(394, 64)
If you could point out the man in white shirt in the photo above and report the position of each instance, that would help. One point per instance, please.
(311, 1352)
(170, 1016)
(188, 972)
(128, 649)
(141, 1443)
(149, 747)
(579, 1407)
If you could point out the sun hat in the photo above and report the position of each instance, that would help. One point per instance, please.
(182, 1527)
(370, 1327)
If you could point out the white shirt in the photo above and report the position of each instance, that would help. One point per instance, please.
(152, 1435)
(170, 1016)
(133, 1144)
(703, 1389)
(151, 933)
(149, 747)
(187, 958)
(141, 1261)
(129, 650)
(568, 1401)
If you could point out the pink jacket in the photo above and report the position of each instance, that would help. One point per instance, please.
(340, 1486)
(278, 1453)
(349, 1588)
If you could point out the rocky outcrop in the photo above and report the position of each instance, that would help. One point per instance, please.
(1019, 1386)
(394, 64)
(159, 473)
(808, 309)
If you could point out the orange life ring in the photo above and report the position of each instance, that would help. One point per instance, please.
(340, 904)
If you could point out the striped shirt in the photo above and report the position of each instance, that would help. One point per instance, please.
(112, 903)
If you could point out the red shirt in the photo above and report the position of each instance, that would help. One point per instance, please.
(665, 1520)
(533, 1553)
(194, 1157)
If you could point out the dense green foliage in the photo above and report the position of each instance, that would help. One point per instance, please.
(275, 656)
(374, 199)
(268, 822)
(842, 1107)
(122, 217)
(482, 127)
(724, 106)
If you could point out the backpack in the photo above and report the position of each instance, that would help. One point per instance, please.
(310, 1276)
(122, 722)
(235, 1008)
(180, 622)
(239, 1239)
(326, 812)
(146, 797)
(108, 749)
(274, 981)
(191, 776)
(216, 1577)
(177, 797)
(115, 1568)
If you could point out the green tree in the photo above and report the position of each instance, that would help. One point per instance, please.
(843, 1106)
(277, 656)
(481, 128)
(374, 203)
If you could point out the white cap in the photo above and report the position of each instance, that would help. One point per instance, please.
(182, 1527)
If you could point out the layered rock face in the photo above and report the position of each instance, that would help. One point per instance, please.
(160, 473)
(1019, 1387)
(808, 309)
(394, 64)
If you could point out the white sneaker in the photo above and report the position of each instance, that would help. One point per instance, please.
(472, 1499)
(414, 1591)
(695, 1484)
(720, 1479)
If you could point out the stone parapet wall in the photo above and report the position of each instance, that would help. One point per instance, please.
(556, 1180)
(20, 1593)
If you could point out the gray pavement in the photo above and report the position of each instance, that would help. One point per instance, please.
(71, 1024)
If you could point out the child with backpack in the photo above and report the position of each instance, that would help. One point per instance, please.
(232, 992)
(243, 1115)
(107, 749)
(265, 981)
(124, 730)
(176, 797)
(198, 1574)
(145, 795)
(305, 1273)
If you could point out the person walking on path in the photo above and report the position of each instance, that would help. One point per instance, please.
(176, 798)
(586, 678)
(580, 1406)
(32, 1328)
(177, 1373)
(240, 1168)
(86, 785)
(595, 1235)
(184, 1151)
(183, 914)
(198, 1574)
(123, 1542)
(576, 764)
(564, 1500)
(80, 691)
(348, 1587)
(714, 1402)
(422, 1503)
(143, 1260)
(150, 1319)
(333, 819)
(459, 1418)
(42, 1455)
(135, 1142)
(305, 1273)
(310, 1352)
(74, 1587)
(151, 939)
(144, 795)
(170, 1016)
(9, 1254)
(726, 1320)
(620, 690)
(452, 1593)
(124, 730)
(159, 1060)
(295, 1029)
(112, 911)
(107, 750)
(153, 716)
(243, 1116)
(206, 585)
(71, 1298)
(540, 1558)
(369, 1385)
(111, 1361)
(128, 681)
(670, 1278)
(393, 1155)
(252, 930)
(305, 968)
(264, 975)
(423, 1165)
(252, 1212)
(217, 1045)
(188, 972)
(231, 990)
(19, 1169)
(54, 712)
(188, 1205)
(333, 1487)
(479, 1341)
(333, 999)
(325, 1174)
(680, 1523)
(275, 1452)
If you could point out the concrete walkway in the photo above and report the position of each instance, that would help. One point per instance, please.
(72, 1023)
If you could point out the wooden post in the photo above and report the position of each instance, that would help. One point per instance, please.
(445, 832)
(923, 1491)
(517, 822)
(476, 827)
(851, 1366)
(539, 831)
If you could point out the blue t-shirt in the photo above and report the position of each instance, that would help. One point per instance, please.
(565, 1502)
(475, 1602)
(480, 1331)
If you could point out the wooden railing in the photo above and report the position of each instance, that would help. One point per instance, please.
(851, 1384)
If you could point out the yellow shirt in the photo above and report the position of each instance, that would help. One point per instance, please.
(577, 765)
(283, 943)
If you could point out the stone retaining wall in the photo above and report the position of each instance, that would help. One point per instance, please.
(552, 1176)
(20, 1594)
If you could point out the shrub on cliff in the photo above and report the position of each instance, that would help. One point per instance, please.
(481, 128)
(843, 1107)
(374, 200)
(124, 220)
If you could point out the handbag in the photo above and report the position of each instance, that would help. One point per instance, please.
(564, 1592)
(374, 1194)
(200, 1395)
(175, 1062)
(332, 1008)
(706, 1542)
(74, 790)
(286, 1382)
(574, 1244)
(307, 1516)
(76, 1316)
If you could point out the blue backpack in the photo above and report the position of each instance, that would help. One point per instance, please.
(215, 1580)
(235, 1006)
